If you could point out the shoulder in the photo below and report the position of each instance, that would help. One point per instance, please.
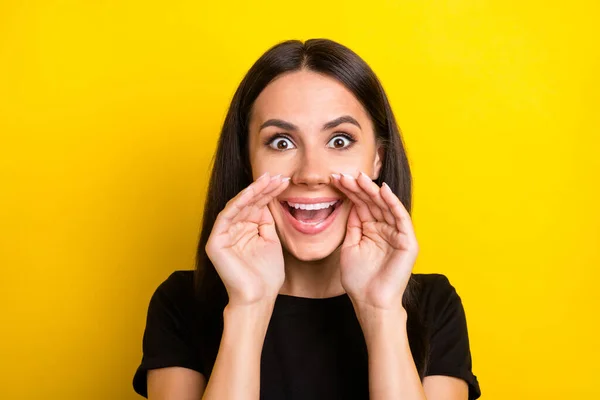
(433, 282)
(443, 313)
(438, 302)
(178, 283)
(434, 291)
(174, 304)
(176, 290)
(171, 336)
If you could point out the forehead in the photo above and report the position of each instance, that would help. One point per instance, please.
(303, 97)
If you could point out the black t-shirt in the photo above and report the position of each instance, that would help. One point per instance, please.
(313, 349)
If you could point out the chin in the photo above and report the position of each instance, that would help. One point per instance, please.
(306, 252)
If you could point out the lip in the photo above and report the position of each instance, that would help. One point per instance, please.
(306, 228)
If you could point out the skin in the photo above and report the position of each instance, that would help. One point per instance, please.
(368, 252)
(308, 101)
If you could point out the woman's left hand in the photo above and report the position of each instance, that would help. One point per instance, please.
(380, 247)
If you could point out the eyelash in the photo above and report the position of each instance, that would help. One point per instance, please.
(348, 136)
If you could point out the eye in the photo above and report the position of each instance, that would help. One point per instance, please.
(341, 141)
(281, 143)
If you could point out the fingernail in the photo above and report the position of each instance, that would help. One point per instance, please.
(262, 176)
(348, 176)
(386, 185)
(365, 175)
(335, 176)
(275, 177)
(285, 179)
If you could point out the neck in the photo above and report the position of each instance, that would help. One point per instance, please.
(313, 279)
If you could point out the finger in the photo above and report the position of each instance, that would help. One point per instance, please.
(352, 184)
(403, 220)
(245, 197)
(279, 184)
(358, 187)
(373, 192)
(238, 203)
(266, 226)
(252, 211)
(363, 211)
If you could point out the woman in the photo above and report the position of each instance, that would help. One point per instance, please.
(304, 286)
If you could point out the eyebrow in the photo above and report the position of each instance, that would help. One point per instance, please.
(279, 123)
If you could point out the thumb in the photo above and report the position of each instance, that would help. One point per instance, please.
(353, 229)
(266, 226)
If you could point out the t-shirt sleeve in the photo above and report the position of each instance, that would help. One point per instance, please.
(450, 352)
(168, 337)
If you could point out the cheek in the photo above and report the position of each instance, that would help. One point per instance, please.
(273, 164)
(352, 164)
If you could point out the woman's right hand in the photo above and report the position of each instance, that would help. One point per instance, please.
(244, 247)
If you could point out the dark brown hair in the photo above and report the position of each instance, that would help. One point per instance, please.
(231, 168)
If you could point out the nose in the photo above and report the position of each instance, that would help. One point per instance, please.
(312, 170)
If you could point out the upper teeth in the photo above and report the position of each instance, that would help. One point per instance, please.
(315, 206)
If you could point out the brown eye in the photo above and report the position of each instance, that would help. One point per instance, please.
(339, 142)
(281, 143)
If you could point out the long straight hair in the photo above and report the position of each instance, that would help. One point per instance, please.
(232, 173)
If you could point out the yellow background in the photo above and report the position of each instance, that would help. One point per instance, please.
(109, 115)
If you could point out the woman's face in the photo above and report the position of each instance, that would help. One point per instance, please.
(306, 126)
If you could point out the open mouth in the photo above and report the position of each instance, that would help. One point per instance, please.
(311, 214)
